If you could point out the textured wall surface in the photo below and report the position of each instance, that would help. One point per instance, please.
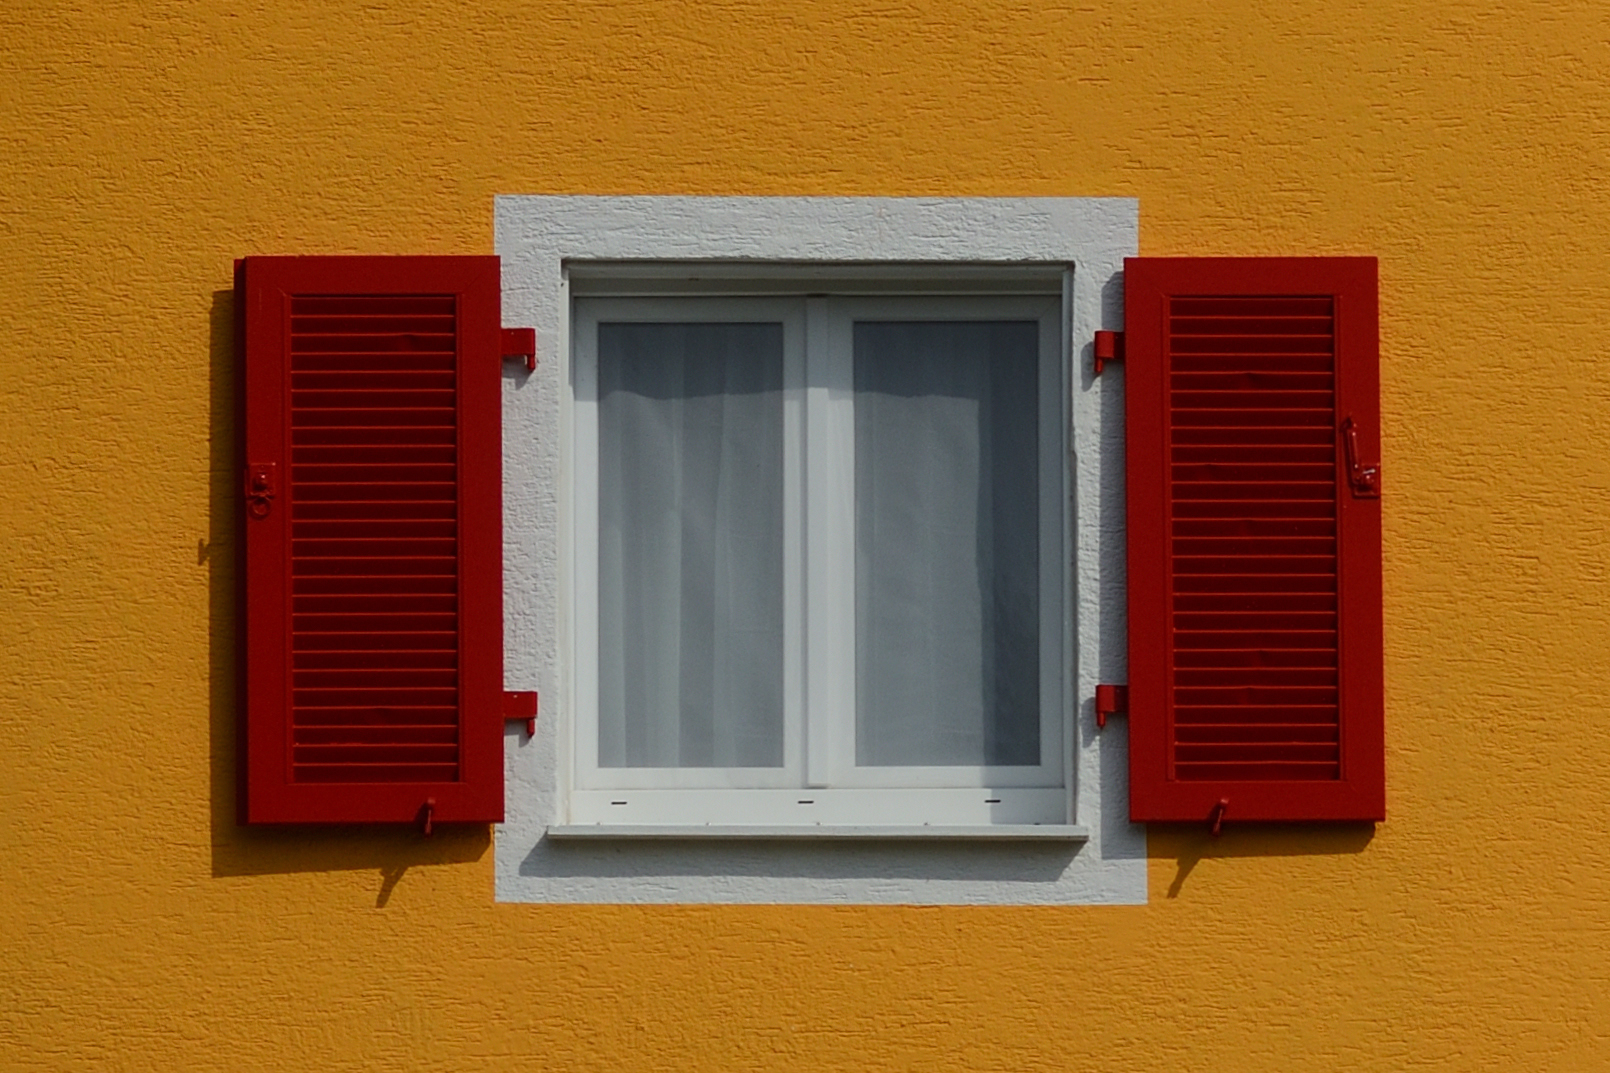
(142, 146)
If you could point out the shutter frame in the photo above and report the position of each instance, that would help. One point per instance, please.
(269, 793)
(1156, 793)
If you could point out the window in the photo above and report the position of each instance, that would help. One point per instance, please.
(666, 270)
(820, 543)
(824, 546)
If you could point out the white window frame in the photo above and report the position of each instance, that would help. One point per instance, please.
(820, 782)
(548, 245)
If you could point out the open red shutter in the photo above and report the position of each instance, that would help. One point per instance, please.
(372, 589)
(1253, 440)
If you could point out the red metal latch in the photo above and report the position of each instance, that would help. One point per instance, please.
(521, 344)
(1110, 700)
(1109, 347)
(1365, 479)
(522, 706)
(260, 488)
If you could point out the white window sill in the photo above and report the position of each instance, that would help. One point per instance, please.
(1014, 832)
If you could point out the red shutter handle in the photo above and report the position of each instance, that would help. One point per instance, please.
(260, 488)
(1365, 479)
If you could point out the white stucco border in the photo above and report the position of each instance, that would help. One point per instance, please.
(535, 236)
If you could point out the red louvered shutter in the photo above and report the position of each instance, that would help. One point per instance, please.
(372, 668)
(1254, 525)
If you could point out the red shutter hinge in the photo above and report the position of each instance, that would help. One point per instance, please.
(522, 706)
(1365, 479)
(1109, 347)
(521, 344)
(1110, 700)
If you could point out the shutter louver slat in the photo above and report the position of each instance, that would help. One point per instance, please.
(1253, 631)
(386, 396)
(375, 383)
(1242, 492)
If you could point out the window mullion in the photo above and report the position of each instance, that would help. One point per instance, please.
(794, 543)
(829, 543)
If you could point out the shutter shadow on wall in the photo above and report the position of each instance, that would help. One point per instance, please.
(1254, 539)
(372, 590)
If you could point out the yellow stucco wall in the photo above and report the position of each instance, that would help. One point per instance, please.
(144, 145)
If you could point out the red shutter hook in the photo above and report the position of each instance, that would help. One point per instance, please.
(1216, 817)
(427, 812)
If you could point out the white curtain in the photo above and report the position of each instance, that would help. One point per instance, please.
(947, 543)
(690, 545)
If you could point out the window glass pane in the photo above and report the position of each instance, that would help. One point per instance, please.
(690, 639)
(947, 543)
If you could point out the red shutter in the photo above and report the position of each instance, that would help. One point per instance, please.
(372, 589)
(1254, 539)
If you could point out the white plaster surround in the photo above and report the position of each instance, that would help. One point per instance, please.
(536, 236)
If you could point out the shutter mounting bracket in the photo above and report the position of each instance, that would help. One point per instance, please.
(1109, 346)
(1110, 700)
(520, 344)
(522, 706)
